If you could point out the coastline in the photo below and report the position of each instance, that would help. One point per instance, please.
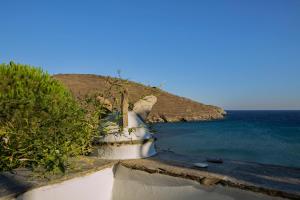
(259, 136)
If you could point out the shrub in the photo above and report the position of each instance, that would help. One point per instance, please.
(41, 125)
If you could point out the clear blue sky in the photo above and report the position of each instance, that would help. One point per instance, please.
(235, 54)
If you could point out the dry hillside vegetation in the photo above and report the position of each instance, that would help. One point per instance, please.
(169, 107)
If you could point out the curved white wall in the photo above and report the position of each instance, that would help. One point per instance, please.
(130, 151)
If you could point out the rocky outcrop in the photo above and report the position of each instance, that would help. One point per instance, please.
(144, 106)
(183, 118)
(193, 112)
(168, 108)
(105, 103)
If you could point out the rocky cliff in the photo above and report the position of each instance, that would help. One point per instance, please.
(169, 107)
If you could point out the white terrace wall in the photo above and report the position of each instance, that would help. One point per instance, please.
(128, 184)
(97, 185)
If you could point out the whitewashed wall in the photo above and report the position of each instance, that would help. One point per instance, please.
(98, 186)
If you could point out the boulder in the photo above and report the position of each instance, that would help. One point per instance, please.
(106, 103)
(221, 110)
(210, 181)
(143, 106)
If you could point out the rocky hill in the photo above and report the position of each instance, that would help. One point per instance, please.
(169, 107)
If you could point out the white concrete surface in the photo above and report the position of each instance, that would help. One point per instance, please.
(128, 184)
(90, 187)
(134, 184)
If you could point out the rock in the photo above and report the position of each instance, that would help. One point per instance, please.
(215, 160)
(210, 181)
(155, 118)
(221, 111)
(144, 106)
(106, 103)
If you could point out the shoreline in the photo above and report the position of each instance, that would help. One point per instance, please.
(262, 137)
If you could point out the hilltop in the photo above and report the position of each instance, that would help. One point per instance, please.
(169, 107)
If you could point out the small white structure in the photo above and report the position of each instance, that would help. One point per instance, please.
(135, 141)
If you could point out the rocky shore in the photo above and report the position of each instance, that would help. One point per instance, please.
(200, 114)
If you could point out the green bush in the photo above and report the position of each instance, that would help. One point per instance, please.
(41, 125)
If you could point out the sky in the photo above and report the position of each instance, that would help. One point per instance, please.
(237, 54)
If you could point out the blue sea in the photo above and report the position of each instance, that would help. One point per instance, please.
(271, 137)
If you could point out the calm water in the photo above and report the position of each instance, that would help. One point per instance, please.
(261, 136)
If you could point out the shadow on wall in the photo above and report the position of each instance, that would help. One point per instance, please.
(10, 185)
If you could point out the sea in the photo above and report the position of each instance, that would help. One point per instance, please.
(269, 137)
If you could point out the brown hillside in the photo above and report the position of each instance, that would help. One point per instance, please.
(169, 107)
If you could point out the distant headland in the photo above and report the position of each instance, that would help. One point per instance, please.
(168, 108)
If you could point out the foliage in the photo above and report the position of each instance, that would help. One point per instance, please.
(41, 125)
(130, 106)
(95, 112)
(115, 88)
(111, 122)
